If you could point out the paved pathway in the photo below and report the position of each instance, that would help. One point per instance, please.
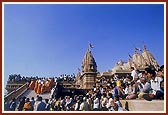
(31, 93)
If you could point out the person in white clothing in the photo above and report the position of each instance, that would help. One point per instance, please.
(133, 73)
(96, 103)
(104, 101)
(84, 105)
(52, 93)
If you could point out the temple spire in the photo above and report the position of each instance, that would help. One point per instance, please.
(89, 70)
(89, 63)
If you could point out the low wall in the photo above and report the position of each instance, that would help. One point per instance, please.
(144, 105)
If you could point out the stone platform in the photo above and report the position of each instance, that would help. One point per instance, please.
(143, 105)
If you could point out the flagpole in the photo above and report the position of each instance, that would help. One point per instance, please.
(89, 46)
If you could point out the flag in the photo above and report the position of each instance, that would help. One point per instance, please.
(91, 46)
(138, 49)
(129, 55)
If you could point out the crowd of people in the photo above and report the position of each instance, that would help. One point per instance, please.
(146, 85)
(46, 85)
(17, 78)
(41, 86)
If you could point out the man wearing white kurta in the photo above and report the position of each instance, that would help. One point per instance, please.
(133, 73)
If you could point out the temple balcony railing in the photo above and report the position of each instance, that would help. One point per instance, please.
(17, 82)
(16, 93)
